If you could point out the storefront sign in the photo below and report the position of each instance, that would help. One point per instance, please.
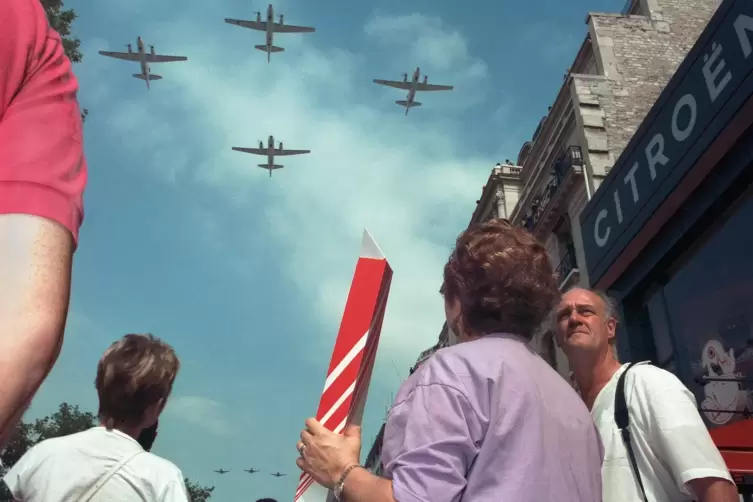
(672, 137)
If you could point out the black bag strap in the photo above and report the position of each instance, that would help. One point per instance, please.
(622, 419)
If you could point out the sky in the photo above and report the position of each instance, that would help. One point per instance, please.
(247, 275)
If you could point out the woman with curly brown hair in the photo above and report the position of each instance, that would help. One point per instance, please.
(486, 420)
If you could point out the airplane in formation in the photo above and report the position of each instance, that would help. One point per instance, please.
(144, 58)
(278, 474)
(270, 151)
(251, 470)
(270, 27)
(412, 87)
(222, 471)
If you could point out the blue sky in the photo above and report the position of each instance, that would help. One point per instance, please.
(246, 275)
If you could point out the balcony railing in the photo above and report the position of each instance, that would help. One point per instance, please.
(566, 266)
(573, 156)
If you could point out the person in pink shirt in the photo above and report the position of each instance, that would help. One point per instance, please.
(42, 179)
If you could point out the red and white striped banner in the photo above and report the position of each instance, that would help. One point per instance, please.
(347, 384)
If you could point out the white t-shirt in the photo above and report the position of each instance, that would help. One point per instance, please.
(63, 469)
(671, 442)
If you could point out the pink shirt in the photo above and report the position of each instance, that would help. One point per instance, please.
(42, 166)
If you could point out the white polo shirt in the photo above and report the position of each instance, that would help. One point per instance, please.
(63, 469)
(671, 442)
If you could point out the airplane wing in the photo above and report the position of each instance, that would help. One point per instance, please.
(290, 152)
(253, 25)
(394, 83)
(157, 58)
(433, 87)
(255, 151)
(289, 28)
(127, 56)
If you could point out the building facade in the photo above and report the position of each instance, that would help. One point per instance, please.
(670, 232)
(623, 64)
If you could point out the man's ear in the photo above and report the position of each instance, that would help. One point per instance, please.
(611, 329)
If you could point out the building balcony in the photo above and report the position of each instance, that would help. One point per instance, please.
(567, 272)
(548, 206)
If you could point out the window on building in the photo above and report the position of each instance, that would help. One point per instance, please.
(664, 355)
(565, 247)
(706, 306)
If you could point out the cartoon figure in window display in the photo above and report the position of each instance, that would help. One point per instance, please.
(725, 401)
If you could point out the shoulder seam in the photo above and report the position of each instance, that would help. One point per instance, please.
(437, 384)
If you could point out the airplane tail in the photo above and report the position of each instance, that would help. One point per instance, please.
(269, 50)
(408, 105)
(271, 168)
(152, 76)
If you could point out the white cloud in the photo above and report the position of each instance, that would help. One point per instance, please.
(199, 411)
(427, 39)
(411, 180)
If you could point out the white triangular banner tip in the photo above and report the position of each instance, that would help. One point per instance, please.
(369, 247)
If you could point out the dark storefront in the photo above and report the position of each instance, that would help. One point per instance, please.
(670, 232)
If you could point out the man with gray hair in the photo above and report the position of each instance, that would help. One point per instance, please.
(660, 451)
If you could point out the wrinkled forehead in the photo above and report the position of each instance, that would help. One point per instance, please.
(576, 299)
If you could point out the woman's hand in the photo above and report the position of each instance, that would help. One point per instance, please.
(325, 455)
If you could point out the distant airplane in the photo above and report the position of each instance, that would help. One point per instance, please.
(144, 59)
(278, 475)
(270, 151)
(221, 471)
(413, 86)
(271, 28)
(251, 470)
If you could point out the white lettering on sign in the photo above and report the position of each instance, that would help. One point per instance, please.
(686, 101)
(655, 154)
(744, 24)
(711, 75)
(716, 76)
(630, 178)
(618, 206)
(603, 238)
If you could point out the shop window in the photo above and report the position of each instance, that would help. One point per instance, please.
(708, 309)
(664, 354)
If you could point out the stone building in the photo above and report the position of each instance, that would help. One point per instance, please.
(622, 66)
(668, 232)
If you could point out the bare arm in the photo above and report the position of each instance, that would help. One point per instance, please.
(35, 278)
(363, 486)
(714, 490)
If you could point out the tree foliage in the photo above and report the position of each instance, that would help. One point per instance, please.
(198, 493)
(68, 419)
(61, 20)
